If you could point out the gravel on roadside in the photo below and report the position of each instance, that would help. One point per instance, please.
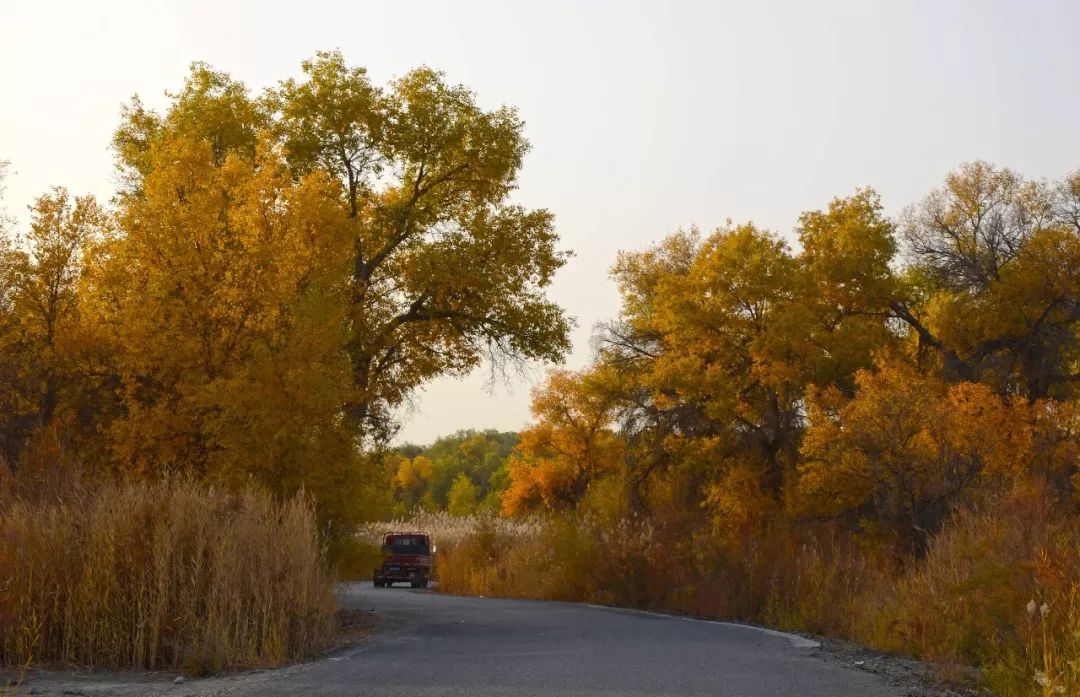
(918, 678)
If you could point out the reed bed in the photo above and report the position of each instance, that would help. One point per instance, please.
(165, 575)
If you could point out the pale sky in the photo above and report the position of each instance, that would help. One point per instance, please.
(644, 117)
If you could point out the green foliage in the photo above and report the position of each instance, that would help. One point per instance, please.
(426, 476)
(462, 498)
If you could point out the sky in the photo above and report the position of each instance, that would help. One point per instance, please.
(643, 117)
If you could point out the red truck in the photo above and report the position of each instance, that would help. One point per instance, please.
(406, 556)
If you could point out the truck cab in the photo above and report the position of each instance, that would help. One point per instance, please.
(406, 557)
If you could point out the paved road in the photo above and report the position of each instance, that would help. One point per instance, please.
(444, 645)
(432, 644)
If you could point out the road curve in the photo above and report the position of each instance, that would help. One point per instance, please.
(432, 644)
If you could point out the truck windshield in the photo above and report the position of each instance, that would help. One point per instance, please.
(407, 545)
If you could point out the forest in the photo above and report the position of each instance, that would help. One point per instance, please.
(866, 429)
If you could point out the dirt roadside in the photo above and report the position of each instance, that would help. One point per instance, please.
(355, 626)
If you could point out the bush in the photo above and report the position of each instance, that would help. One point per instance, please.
(999, 588)
(353, 558)
(161, 575)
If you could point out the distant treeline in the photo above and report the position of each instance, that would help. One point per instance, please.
(462, 473)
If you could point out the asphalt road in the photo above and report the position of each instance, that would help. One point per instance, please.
(435, 644)
(431, 644)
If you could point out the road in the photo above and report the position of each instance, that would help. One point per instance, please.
(431, 644)
(436, 644)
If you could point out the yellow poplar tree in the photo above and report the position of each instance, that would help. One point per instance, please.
(224, 295)
(292, 266)
(49, 367)
(571, 445)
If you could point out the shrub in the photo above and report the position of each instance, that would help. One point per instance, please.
(978, 597)
(353, 558)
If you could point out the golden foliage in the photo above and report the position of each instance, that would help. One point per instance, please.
(279, 273)
(764, 424)
(816, 438)
(571, 446)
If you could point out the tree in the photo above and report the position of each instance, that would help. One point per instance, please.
(994, 294)
(410, 482)
(425, 177)
(966, 232)
(46, 366)
(721, 336)
(334, 121)
(463, 496)
(906, 448)
(212, 108)
(731, 325)
(730, 345)
(12, 405)
(570, 447)
(846, 257)
(291, 267)
(223, 296)
(427, 477)
(482, 455)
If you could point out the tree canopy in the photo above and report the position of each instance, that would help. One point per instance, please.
(879, 373)
(277, 275)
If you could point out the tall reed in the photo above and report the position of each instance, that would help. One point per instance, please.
(170, 574)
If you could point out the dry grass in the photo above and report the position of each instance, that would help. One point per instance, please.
(560, 559)
(1000, 588)
(781, 579)
(161, 575)
(448, 530)
(458, 536)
